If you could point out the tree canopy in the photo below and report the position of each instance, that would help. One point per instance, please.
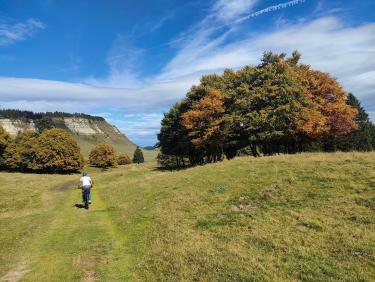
(278, 106)
(124, 159)
(56, 151)
(53, 151)
(103, 155)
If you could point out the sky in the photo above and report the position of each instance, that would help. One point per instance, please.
(130, 61)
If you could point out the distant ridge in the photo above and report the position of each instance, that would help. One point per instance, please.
(88, 130)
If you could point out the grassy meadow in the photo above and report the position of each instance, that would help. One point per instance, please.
(306, 217)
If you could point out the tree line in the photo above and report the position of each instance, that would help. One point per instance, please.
(278, 106)
(19, 114)
(55, 151)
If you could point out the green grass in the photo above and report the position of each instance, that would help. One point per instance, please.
(306, 217)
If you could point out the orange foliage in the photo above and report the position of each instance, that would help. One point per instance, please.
(327, 114)
(205, 120)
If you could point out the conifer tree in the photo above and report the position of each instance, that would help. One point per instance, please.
(362, 139)
(138, 156)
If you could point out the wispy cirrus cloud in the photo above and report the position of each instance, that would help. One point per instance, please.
(11, 33)
(122, 62)
(327, 43)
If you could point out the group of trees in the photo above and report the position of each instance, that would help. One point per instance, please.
(279, 106)
(104, 156)
(54, 150)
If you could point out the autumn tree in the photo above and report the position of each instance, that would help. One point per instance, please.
(56, 151)
(12, 156)
(27, 145)
(20, 152)
(205, 124)
(103, 155)
(124, 159)
(278, 106)
(328, 114)
(138, 156)
(264, 106)
(5, 139)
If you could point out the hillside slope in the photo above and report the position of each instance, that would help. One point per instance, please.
(307, 217)
(299, 217)
(87, 130)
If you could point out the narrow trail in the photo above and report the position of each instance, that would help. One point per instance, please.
(79, 245)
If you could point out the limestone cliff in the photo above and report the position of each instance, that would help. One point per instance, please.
(87, 130)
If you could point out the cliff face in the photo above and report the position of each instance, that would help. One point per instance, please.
(14, 126)
(87, 130)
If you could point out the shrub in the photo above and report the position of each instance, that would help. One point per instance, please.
(56, 151)
(124, 159)
(103, 155)
(138, 156)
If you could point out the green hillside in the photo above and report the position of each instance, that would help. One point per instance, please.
(306, 217)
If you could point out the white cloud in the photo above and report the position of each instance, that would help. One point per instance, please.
(346, 52)
(10, 34)
(224, 10)
(122, 62)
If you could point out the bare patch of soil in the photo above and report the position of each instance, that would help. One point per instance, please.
(15, 275)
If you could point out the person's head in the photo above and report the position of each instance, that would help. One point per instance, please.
(84, 173)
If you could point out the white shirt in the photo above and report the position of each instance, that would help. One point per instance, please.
(86, 180)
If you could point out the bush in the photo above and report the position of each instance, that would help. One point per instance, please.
(138, 156)
(56, 151)
(124, 159)
(103, 155)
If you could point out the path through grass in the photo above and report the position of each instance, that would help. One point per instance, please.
(306, 217)
(69, 243)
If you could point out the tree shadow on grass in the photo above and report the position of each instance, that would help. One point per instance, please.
(175, 168)
(79, 206)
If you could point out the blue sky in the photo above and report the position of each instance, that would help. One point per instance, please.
(129, 61)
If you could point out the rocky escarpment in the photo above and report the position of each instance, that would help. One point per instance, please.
(15, 126)
(82, 126)
(76, 125)
(87, 130)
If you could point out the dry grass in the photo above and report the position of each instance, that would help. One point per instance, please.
(311, 218)
(304, 217)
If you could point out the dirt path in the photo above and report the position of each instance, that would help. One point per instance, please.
(79, 245)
